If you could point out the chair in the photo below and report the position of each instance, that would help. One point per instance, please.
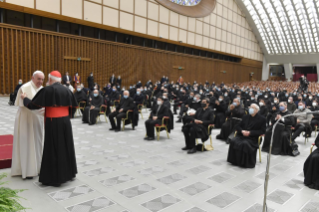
(312, 145)
(316, 128)
(208, 147)
(103, 109)
(164, 125)
(79, 108)
(127, 118)
(259, 141)
(139, 108)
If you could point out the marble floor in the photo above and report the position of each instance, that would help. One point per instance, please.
(122, 172)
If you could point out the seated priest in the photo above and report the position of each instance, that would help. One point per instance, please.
(243, 148)
(119, 112)
(185, 106)
(221, 108)
(291, 106)
(156, 116)
(138, 98)
(281, 138)
(234, 114)
(310, 168)
(80, 96)
(166, 100)
(196, 126)
(92, 110)
(114, 95)
(303, 121)
(181, 99)
(263, 108)
(315, 119)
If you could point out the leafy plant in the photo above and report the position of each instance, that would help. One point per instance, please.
(9, 199)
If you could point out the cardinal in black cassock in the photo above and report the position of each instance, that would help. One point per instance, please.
(58, 162)
(311, 168)
(243, 148)
(281, 138)
(92, 111)
(80, 96)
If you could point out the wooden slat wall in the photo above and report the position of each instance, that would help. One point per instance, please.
(24, 50)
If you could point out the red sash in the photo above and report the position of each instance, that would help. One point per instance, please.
(56, 112)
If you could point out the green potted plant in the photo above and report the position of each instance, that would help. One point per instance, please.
(9, 199)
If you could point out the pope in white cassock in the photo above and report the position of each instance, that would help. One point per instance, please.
(28, 132)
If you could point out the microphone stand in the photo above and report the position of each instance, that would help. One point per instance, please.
(269, 154)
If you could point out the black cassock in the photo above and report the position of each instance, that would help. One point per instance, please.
(242, 150)
(229, 126)
(311, 168)
(281, 143)
(79, 96)
(58, 160)
(89, 115)
(220, 114)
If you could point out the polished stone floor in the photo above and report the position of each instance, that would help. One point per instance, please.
(122, 172)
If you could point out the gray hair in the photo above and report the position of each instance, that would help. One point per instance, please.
(256, 106)
(37, 72)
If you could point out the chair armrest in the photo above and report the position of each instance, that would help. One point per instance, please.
(312, 145)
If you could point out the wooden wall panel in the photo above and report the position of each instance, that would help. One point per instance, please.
(24, 50)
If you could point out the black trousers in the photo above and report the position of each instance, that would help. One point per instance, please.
(176, 104)
(182, 110)
(149, 125)
(189, 134)
(118, 117)
(298, 130)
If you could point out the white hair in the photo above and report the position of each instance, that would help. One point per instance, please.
(37, 72)
(256, 106)
(55, 79)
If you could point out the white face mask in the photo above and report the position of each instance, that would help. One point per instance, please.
(314, 104)
(275, 101)
(289, 100)
(220, 100)
(261, 104)
(159, 102)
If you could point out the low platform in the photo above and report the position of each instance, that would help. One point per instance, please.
(6, 142)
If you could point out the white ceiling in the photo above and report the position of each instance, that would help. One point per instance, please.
(287, 28)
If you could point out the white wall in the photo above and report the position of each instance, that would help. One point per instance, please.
(225, 29)
(265, 71)
(288, 70)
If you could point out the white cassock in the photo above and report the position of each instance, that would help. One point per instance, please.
(28, 136)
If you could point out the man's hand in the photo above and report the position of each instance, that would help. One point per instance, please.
(245, 133)
(120, 111)
(198, 121)
(217, 102)
(92, 107)
(154, 118)
(298, 121)
(231, 107)
(278, 117)
(23, 95)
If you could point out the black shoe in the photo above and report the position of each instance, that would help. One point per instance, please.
(28, 178)
(146, 138)
(192, 151)
(111, 129)
(185, 148)
(175, 113)
(117, 130)
(218, 136)
(150, 138)
(179, 121)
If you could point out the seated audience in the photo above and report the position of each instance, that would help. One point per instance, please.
(234, 111)
(138, 98)
(92, 110)
(303, 121)
(80, 96)
(281, 138)
(196, 126)
(310, 168)
(13, 95)
(243, 148)
(156, 117)
(119, 112)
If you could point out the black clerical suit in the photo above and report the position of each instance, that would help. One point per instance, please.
(310, 168)
(90, 115)
(159, 111)
(125, 105)
(243, 149)
(281, 138)
(234, 117)
(138, 99)
(79, 96)
(192, 130)
(90, 82)
(220, 114)
(112, 80)
(13, 95)
(263, 111)
(315, 119)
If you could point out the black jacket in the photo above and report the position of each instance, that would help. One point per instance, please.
(125, 104)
